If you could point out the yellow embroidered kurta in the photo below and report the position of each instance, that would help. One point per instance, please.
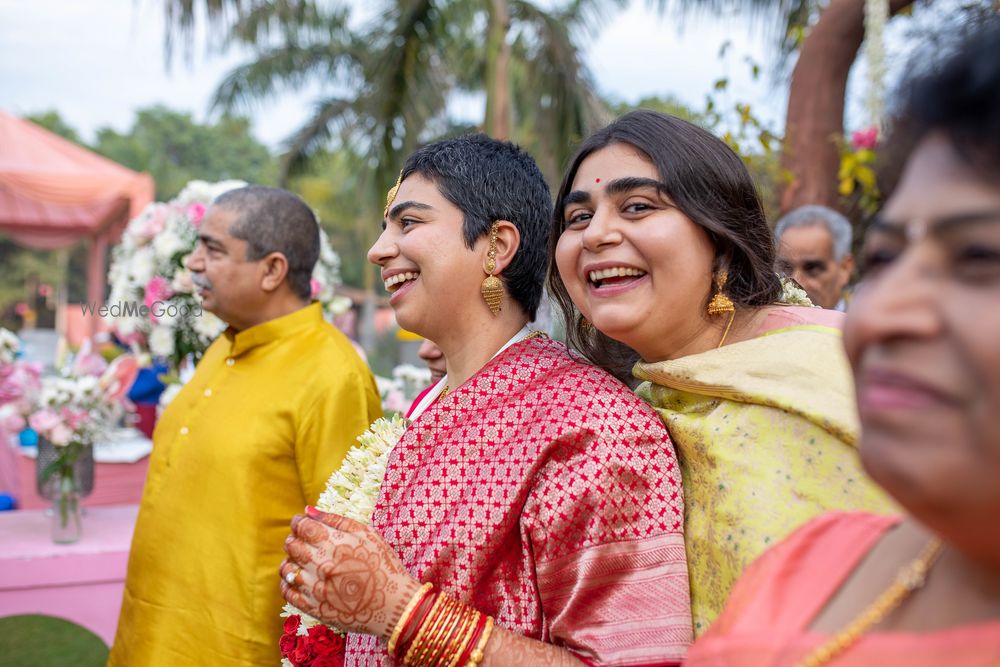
(247, 443)
(765, 430)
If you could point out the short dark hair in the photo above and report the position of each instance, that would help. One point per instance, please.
(490, 180)
(275, 220)
(709, 183)
(961, 100)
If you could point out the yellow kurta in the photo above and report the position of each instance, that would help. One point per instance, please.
(247, 443)
(765, 431)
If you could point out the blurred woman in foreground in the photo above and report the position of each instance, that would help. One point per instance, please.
(922, 336)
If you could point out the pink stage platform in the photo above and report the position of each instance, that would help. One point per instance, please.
(80, 582)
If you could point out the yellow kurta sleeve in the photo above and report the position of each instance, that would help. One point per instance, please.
(330, 427)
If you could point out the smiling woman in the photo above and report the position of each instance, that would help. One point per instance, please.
(538, 492)
(661, 254)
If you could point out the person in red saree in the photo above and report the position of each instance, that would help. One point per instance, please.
(922, 589)
(538, 496)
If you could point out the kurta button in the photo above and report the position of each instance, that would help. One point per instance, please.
(208, 392)
(230, 361)
(184, 430)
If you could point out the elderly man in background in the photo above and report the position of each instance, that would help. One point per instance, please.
(271, 410)
(814, 248)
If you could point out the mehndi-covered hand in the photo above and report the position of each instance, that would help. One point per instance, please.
(344, 574)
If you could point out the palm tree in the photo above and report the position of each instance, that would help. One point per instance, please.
(391, 79)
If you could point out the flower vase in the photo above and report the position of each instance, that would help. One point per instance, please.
(75, 457)
(66, 523)
(65, 475)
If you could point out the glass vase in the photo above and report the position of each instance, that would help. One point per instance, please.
(65, 475)
(77, 457)
(66, 520)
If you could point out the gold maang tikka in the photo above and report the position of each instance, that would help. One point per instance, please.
(492, 287)
(391, 195)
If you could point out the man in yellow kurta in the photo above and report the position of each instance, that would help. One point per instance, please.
(273, 407)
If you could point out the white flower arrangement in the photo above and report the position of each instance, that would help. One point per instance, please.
(353, 489)
(9, 345)
(153, 304)
(406, 383)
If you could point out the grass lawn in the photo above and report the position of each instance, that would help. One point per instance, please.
(46, 641)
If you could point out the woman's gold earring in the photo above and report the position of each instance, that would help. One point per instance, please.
(492, 287)
(721, 303)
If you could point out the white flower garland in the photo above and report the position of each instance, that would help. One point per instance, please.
(353, 489)
(876, 16)
(793, 295)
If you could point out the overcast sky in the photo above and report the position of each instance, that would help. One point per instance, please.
(96, 61)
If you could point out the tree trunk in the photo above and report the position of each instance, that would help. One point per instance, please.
(498, 114)
(815, 116)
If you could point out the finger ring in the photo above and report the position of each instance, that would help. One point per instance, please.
(292, 574)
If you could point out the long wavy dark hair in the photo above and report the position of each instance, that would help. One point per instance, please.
(709, 183)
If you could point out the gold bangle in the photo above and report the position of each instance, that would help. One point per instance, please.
(415, 644)
(446, 655)
(477, 654)
(434, 623)
(447, 631)
(465, 636)
(405, 616)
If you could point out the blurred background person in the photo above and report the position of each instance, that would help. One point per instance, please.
(814, 248)
(434, 358)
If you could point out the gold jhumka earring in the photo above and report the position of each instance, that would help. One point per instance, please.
(721, 303)
(492, 287)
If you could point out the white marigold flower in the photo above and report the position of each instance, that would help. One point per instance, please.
(208, 326)
(161, 341)
(141, 266)
(167, 244)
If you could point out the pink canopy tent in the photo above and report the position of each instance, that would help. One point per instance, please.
(54, 193)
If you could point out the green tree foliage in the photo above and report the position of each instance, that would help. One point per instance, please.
(331, 184)
(175, 149)
(53, 122)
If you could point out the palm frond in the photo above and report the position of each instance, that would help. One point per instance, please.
(314, 135)
(290, 21)
(277, 70)
(554, 86)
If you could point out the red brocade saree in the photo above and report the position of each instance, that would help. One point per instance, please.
(543, 492)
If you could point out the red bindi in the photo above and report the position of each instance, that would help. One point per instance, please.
(597, 180)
